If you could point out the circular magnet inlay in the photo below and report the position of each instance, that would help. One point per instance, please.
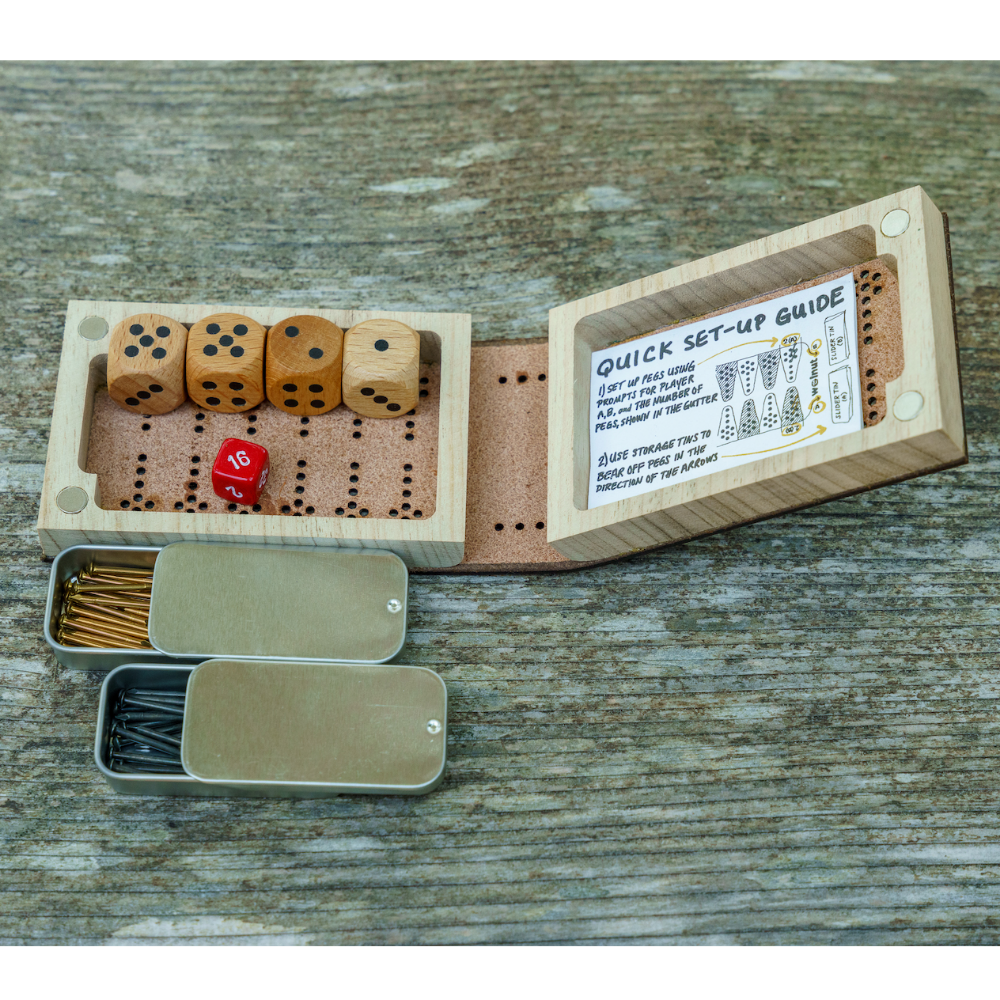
(93, 328)
(433, 726)
(908, 405)
(394, 606)
(895, 222)
(72, 499)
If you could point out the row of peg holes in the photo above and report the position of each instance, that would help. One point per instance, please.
(866, 313)
(287, 508)
(539, 525)
(140, 470)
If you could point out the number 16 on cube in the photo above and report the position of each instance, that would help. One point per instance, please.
(240, 471)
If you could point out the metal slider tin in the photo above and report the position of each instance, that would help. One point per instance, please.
(292, 729)
(254, 601)
(64, 567)
(262, 602)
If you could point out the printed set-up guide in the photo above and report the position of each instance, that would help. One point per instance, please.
(722, 392)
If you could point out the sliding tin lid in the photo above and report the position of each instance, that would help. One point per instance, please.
(273, 602)
(359, 728)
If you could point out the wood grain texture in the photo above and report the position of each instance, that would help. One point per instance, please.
(304, 365)
(780, 733)
(225, 363)
(381, 362)
(877, 454)
(146, 364)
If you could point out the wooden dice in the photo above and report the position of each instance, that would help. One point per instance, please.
(381, 368)
(146, 364)
(225, 363)
(304, 363)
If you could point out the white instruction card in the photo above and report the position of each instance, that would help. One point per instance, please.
(718, 393)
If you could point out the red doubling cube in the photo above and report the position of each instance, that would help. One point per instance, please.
(240, 471)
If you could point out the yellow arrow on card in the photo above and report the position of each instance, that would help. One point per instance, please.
(819, 430)
(745, 343)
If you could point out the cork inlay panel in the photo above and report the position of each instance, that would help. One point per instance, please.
(880, 335)
(508, 460)
(165, 462)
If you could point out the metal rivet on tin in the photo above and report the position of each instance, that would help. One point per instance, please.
(93, 328)
(71, 499)
(433, 726)
(394, 606)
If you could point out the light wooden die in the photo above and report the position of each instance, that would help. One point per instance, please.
(381, 368)
(225, 363)
(304, 363)
(146, 364)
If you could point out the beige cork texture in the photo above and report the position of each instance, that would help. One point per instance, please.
(148, 463)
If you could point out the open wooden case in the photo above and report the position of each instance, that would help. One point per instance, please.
(491, 472)
(118, 477)
(908, 369)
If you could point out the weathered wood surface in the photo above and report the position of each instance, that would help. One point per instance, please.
(783, 733)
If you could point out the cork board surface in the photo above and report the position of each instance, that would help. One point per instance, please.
(508, 461)
(165, 462)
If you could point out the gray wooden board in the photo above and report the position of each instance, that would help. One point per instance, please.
(782, 733)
